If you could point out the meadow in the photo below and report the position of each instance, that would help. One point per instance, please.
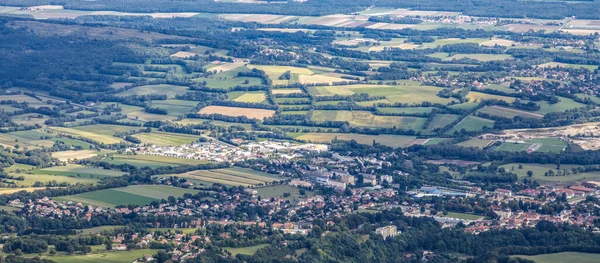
(472, 123)
(79, 171)
(230, 176)
(237, 111)
(475, 96)
(540, 169)
(104, 256)
(244, 250)
(280, 190)
(563, 257)
(100, 133)
(166, 138)
(130, 195)
(169, 90)
(385, 139)
(442, 120)
(153, 161)
(475, 143)
(368, 119)
(540, 145)
(409, 110)
(249, 97)
(404, 92)
(175, 107)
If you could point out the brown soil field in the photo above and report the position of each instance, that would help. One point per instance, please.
(235, 111)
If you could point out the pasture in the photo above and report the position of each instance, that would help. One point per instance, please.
(244, 250)
(539, 171)
(442, 120)
(274, 72)
(79, 171)
(563, 257)
(230, 176)
(368, 119)
(463, 216)
(563, 105)
(229, 78)
(30, 138)
(175, 107)
(130, 195)
(475, 96)
(249, 97)
(472, 123)
(409, 110)
(100, 133)
(166, 138)
(385, 139)
(475, 143)
(567, 65)
(169, 90)
(279, 191)
(153, 161)
(404, 92)
(251, 113)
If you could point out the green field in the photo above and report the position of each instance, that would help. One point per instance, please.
(563, 105)
(442, 120)
(540, 169)
(368, 119)
(152, 161)
(279, 190)
(404, 92)
(130, 195)
(464, 216)
(29, 138)
(101, 133)
(108, 257)
(547, 145)
(509, 112)
(229, 79)
(472, 123)
(169, 90)
(481, 57)
(166, 138)
(175, 107)
(475, 143)
(409, 110)
(77, 171)
(389, 140)
(577, 257)
(244, 250)
(230, 176)
(475, 96)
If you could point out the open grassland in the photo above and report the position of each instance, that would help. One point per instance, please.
(566, 65)
(244, 250)
(472, 123)
(31, 139)
(230, 176)
(279, 191)
(563, 105)
(274, 72)
(249, 97)
(405, 92)
(509, 112)
(101, 133)
(79, 171)
(475, 143)
(31, 101)
(409, 110)
(480, 57)
(368, 119)
(130, 195)
(539, 145)
(463, 216)
(105, 256)
(442, 120)
(475, 96)
(29, 119)
(539, 171)
(166, 138)
(563, 257)
(30, 179)
(237, 111)
(175, 107)
(136, 114)
(169, 90)
(64, 156)
(229, 78)
(153, 161)
(389, 140)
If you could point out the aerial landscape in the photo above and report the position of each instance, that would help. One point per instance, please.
(292, 131)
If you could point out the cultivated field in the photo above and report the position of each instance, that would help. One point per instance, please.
(166, 138)
(509, 112)
(101, 133)
(142, 160)
(472, 123)
(367, 119)
(389, 140)
(230, 176)
(169, 90)
(249, 97)
(236, 111)
(540, 169)
(131, 195)
(475, 143)
(77, 171)
(563, 257)
(74, 155)
(442, 120)
(474, 96)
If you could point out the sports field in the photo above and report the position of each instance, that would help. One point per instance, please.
(230, 176)
(130, 195)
